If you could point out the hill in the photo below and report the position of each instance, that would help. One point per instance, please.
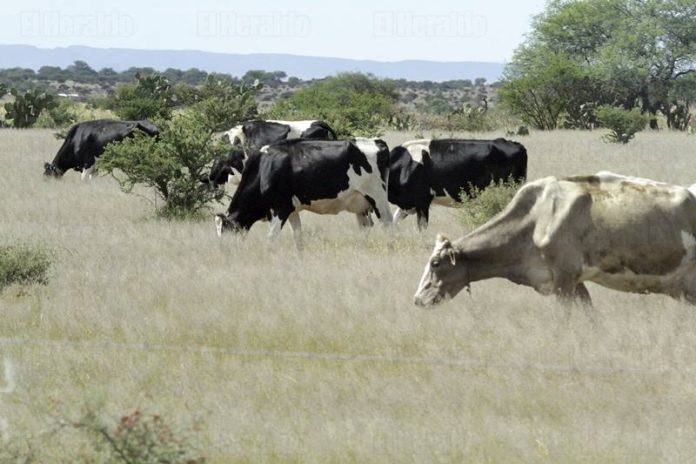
(304, 67)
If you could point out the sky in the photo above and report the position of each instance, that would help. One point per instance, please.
(389, 30)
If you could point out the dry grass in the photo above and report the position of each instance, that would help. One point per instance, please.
(498, 376)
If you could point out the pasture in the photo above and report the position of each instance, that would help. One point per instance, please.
(323, 357)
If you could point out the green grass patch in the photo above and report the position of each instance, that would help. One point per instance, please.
(23, 264)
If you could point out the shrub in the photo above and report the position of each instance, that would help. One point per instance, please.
(139, 438)
(352, 103)
(64, 114)
(150, 97)
(23, 264)
(482, 204)
(173, 164)
(224, 103)
(26, 108)
(621, 123)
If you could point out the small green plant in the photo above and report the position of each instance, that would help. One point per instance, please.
(480, 205)
(621, 123)
(26, 108)
(23, 264)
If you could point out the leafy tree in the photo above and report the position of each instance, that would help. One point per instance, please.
(51, 73)
(352, 103)
(149, 98)
(619, 52)
(82, 72)
(26, 108)
(107, 77)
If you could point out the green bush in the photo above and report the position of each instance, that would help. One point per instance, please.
(172, 164)
(64, 114)
(26, 108)
(23, 264)
(482, 204)
(150, 97)
(353, 104)
(621, 123)
(223, 103)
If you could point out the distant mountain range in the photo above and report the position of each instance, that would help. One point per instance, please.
(304, 67)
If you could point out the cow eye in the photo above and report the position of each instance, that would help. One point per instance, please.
(435, 263)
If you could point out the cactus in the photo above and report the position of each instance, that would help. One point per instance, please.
(25, 109)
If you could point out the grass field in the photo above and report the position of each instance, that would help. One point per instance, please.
(323, 357)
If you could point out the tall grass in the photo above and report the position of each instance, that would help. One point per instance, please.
(322, 356)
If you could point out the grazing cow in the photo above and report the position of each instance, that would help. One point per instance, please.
(422, 172)
(223, 170)
(87, 140)
(628, 234)
(255, 134)
(251, 136)
(324, 177)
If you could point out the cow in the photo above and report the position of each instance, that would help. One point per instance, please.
(427, 171)
(322, 176)
(251, 136)
(624, 233)
(87, 140)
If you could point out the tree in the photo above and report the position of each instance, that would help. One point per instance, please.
(51, 73)
(150, 97)
(80, 71)
(174, 162)
(620, 52)
(352, 103)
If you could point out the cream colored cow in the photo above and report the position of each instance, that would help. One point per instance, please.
(625, 233)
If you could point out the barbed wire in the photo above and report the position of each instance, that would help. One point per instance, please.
(462, 363)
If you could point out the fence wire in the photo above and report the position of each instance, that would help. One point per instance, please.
(461, 363)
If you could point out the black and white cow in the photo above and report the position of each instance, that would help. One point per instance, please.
(258, 133)
(325, 177)
(251, 136)
(426, 171)
(87, 140)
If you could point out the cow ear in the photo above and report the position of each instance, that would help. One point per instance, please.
(442, 242)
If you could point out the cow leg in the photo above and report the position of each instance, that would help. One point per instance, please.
(364, 219)
(87, 173)
(423, 215)
(399, 215)
(296, 225)
(274, 227)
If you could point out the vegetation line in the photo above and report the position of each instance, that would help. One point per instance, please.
(466, 364)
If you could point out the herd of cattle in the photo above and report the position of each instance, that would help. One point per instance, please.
(625, 233)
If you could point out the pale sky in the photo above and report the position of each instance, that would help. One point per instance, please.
(390, 30)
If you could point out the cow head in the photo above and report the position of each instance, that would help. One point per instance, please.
(226, 224)
(236, 135)
(222, 169)
(444, 275)
(51, 170)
